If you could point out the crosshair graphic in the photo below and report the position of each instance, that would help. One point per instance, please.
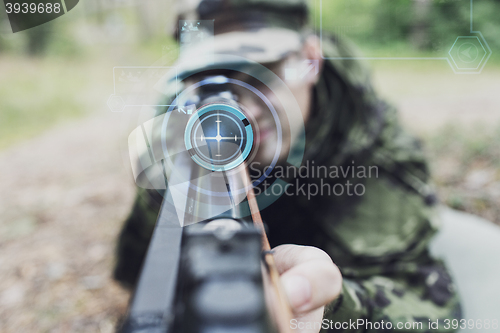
(219, 137)
(231, 145)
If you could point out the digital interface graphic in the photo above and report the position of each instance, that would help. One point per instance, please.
(466, 55)
(139, 86)
(215, 138)
(219, 138)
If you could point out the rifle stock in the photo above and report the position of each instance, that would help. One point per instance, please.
(217, 275)
(206, 277)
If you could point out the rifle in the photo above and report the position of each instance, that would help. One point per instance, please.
(216, 275)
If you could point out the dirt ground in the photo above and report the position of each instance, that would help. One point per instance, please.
(458, 118)
(65, 194)
(429, 95)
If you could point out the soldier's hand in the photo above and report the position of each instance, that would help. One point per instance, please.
(311, 280)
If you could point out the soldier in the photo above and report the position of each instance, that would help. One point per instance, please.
(360, 262)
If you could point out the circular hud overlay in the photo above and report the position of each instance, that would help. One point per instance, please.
(218, 137)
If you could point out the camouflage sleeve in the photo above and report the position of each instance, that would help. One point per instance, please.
(381, 247)
(381, 244)
(416, 298)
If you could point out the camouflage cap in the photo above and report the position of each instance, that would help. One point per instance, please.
(244, 15)
(259, 30)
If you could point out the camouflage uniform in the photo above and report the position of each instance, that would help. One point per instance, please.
(378, 240)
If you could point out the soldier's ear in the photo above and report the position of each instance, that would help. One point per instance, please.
(312, 51)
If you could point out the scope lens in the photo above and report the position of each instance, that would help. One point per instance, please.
(219, 137)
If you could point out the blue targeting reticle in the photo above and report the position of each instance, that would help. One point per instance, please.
(159, 147)
(219, 137)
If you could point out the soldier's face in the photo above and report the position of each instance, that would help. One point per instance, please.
(291, 98)
(266, 124)
(291, 122)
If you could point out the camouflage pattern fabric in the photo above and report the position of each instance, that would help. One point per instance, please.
(246, 15)
(379, 240)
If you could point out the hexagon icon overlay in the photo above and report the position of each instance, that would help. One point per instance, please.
(116, 103)
(469, 55)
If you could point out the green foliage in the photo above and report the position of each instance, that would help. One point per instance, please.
(379, 24)
(38, 39)
(36, 94)
(63, 42)
(486, 20)
(391, 21)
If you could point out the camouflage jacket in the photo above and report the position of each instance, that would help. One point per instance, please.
(379, 240)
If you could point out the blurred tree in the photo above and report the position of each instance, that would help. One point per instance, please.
(4, 28)
(2, 42)
(391, 21)
(155, 18)
(420, 38)
(450, 19)
(38, 39)
(145, 14)
(431, 25)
